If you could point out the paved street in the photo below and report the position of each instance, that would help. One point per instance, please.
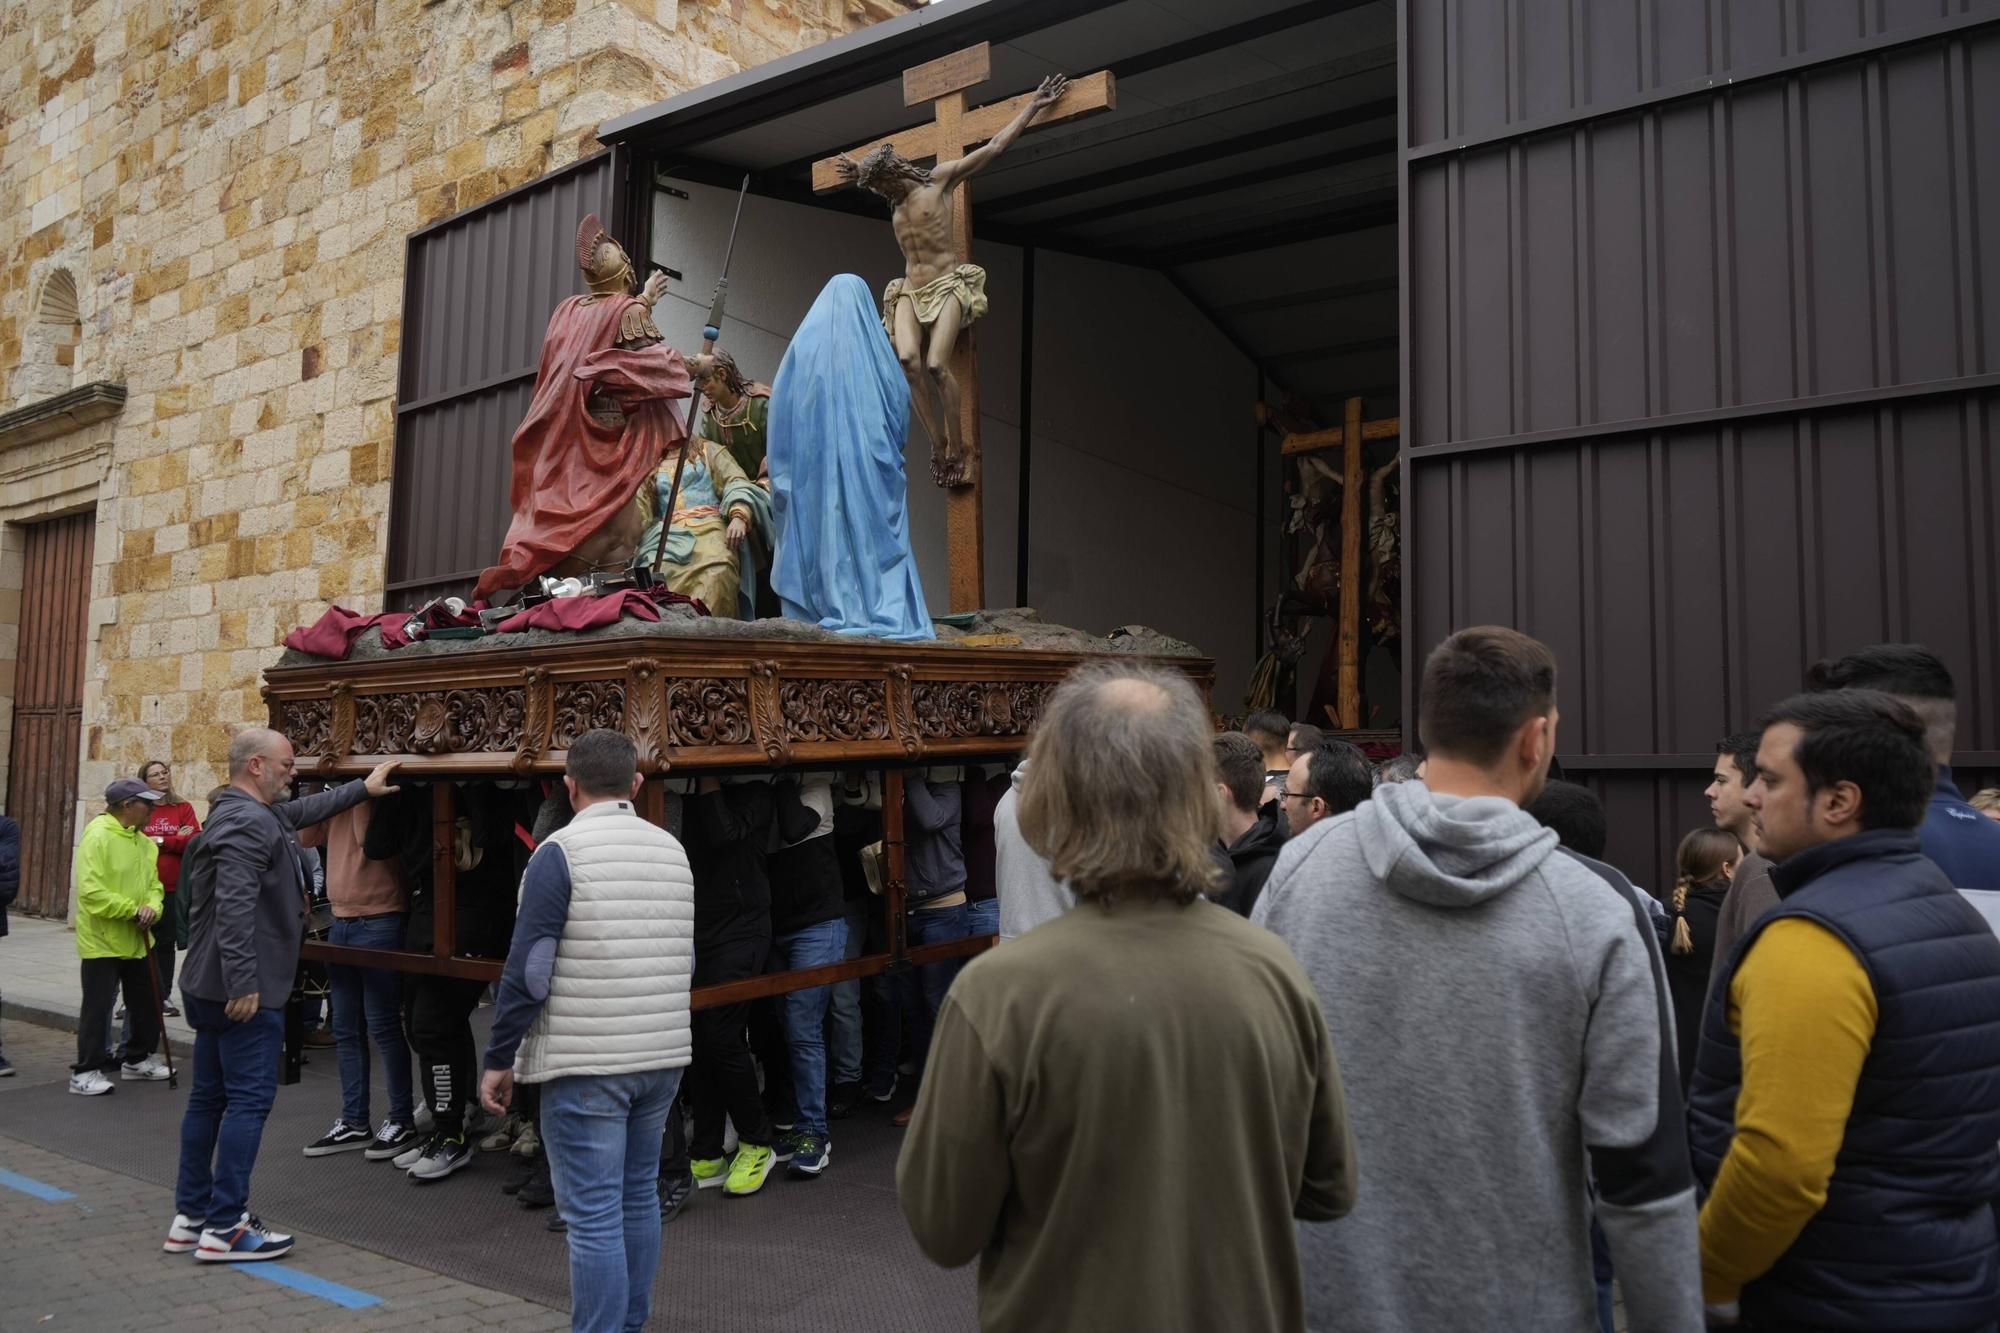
(85, 1247)
(826, 1255)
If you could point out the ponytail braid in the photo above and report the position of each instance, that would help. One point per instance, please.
(1683, 939)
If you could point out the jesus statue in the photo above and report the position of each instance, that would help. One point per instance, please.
(937, 296)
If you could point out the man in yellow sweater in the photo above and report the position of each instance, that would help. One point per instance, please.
(118, 900)
(1845, 1104)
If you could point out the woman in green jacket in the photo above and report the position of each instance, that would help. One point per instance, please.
(118, 900)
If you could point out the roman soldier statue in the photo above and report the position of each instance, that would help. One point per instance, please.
(601, 417)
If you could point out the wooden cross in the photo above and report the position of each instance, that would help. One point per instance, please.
(952, 132)
(1350, 437)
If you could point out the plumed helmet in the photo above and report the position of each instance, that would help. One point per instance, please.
(590, 236)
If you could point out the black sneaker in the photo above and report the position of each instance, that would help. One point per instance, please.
(538, 1191)
(524, 1171)
(843, 1100)
(391, 1140)
(6, 1070)
(883, 1092)
(343, 1137)
(810, 1154)
(785, 1145)
(675, 1195)
(446, 1154)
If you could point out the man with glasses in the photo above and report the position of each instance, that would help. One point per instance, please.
(1328, 780)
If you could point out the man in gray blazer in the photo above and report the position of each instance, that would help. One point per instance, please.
(248, 889)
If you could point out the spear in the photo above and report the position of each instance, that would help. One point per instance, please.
(711, 333)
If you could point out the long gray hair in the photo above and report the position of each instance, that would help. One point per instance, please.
(1120, 792)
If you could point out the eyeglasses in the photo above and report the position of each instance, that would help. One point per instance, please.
(1284, 795)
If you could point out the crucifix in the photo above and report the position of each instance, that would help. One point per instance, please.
(929, 311)
(1351, 437)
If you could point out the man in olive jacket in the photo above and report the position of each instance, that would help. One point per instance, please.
(247, 890)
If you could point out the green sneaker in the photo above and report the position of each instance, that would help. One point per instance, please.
(709, 1172)
(746, 1174)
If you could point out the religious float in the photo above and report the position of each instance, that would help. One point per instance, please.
(659, 504)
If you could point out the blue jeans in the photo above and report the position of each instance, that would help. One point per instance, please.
(932, 927)
(804, 1013)
(843, 1019)
(368, 1002)
(235, 1081)
(982, 917)
(1601, 1275)
(602, 1135)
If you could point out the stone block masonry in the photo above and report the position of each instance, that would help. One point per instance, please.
(229, 183)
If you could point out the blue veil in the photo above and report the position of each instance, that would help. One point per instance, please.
(839, 499)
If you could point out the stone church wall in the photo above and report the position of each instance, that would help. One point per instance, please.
(227, 185)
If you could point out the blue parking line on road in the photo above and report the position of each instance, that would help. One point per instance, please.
(346, 1297)
(33, 1188)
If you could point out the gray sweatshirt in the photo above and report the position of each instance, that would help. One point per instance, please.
(1498, 1013)
(1028, 893)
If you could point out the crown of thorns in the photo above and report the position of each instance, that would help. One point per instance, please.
(885, 162)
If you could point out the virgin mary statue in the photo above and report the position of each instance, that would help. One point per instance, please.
(839, 498)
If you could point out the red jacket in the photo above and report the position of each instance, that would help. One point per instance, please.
(165, 828)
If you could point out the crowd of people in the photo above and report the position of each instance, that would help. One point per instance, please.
(1767, 1097)
(1309, 1042)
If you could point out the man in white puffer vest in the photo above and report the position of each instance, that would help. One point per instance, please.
(593, 1006)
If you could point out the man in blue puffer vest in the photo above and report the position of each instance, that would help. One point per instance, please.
(1845, 1107)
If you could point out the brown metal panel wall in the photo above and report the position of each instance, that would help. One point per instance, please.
(478, 290)
(48, 706)
(1700, 381)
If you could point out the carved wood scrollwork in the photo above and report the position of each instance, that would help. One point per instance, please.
(341, 732)
(469, 721)
(767, 718)
(645, 714)
(902, 719)
(1025, 699)
(943, 709)
(835, 710)
(707, 710)
(947, 708)
(537, 717)
(307, 724)
(586, 705)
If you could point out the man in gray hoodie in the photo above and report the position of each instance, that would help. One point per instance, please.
(1499, 1015)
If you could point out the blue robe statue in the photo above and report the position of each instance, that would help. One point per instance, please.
(839, 499)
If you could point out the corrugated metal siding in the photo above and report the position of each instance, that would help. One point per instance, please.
(1701, 381)
(48, 706)
(477, 294)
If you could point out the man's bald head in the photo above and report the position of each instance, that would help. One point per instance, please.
(248, 744)
(260, 763)
(1122, 798)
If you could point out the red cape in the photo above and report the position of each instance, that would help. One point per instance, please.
(571, 474)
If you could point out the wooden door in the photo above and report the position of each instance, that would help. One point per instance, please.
(48, 707)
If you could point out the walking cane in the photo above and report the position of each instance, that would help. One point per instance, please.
(160, 1008)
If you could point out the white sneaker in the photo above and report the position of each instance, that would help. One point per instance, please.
(148, 1070)
(90, 1083)
(248, 1240)
(183, 1235)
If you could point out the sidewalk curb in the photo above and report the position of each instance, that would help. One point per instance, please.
(62, 1020)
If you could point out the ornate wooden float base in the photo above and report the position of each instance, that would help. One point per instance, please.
(697, 703)
(692, 702)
